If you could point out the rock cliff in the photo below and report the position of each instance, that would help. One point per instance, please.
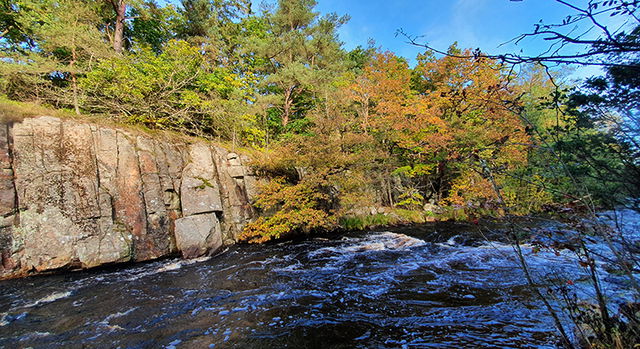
(80, 195)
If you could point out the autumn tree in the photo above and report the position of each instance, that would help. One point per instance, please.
(605, 107)
(381, 91)
(480, 108)
(448, 120)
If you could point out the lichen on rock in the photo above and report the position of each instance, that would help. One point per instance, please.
(79, 195)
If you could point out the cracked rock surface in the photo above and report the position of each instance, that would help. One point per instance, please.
(80, 195)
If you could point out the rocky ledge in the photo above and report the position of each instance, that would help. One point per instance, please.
(80, 195)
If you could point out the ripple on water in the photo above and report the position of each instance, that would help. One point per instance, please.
(48, 299)
(378, 289)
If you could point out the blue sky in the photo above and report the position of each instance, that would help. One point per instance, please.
(484, 24)
(472, 23)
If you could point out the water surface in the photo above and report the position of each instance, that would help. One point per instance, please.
(415, 287)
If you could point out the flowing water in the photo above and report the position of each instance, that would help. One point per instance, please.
(439, 285)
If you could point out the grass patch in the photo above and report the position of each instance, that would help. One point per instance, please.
(16, 111)
(413, 216)
(404, 216)
(13, 111)
(397, 216)
(365, 222)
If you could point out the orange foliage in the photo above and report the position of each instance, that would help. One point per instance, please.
(459, 115)
(446, 128)
(382, 90)
(296, 208)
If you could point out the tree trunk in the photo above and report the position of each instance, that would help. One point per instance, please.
(120, 7)
(76, 107)
(390, 190)
(74, 80)
(365, 112)
(288, 102)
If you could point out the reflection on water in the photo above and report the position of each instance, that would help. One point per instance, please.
(413, 288)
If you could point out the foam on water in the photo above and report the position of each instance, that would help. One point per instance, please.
(168, 267)
(119, 314)
(34, 335)
(385, 241)
(375, 289)
(48, 299)
(390, 241)
(105, 323)
(165, 266)
(451, 241)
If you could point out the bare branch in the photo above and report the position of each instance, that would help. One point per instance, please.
(589, 51)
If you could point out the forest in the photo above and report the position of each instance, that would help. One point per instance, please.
(349, 138)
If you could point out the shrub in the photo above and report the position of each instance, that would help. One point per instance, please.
(289, 209)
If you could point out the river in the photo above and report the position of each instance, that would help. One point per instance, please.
(435, 285)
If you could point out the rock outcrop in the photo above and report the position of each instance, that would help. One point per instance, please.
(80, 195)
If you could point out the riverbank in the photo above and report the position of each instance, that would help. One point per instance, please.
(76, 194)
(79, 193)
(450, 284)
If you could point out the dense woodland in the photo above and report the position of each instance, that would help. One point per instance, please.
(357, 138)
(341, 133)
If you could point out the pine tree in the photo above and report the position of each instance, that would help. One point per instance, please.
(65, 42)
(301, 49)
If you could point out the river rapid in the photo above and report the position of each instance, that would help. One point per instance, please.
(438, 285)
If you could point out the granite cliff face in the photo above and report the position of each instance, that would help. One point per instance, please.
(80, 195)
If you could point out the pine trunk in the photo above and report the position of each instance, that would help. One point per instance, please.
(118, 36)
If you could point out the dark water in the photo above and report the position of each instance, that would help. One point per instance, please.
(433, 286)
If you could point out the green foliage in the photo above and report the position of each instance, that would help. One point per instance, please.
(580, 157)
(463, 133)
(214, 19)
(365, 222)
(300, 52)
(171, 90)
(52, 42)
(410, 199)
(15, 34)
(154, 25)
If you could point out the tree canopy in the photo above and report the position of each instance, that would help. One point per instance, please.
(359, 128)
